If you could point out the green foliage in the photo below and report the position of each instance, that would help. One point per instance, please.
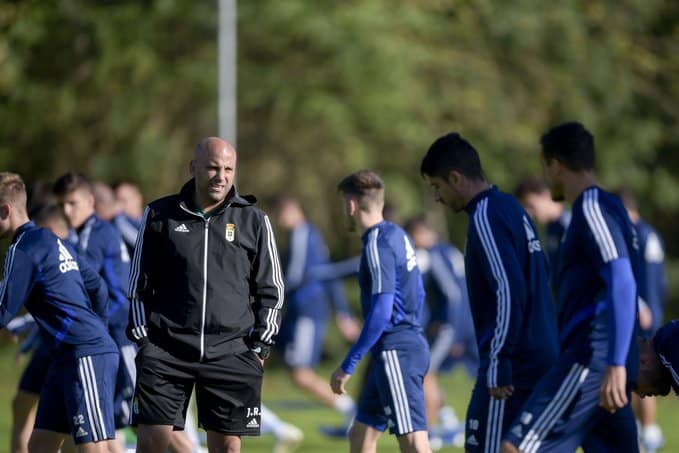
(123, 89)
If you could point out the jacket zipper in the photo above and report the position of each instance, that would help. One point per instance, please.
(202, 322)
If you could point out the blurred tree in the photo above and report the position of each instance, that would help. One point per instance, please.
(125, 89)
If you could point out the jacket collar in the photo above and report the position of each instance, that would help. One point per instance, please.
(22, 229)
(471, 206)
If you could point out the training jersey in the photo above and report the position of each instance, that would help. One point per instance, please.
(665, 346)
(128, 228)
(100, 243)
(389, 266)
(652, 281)
(443, 274)
(600, 232)
(306, 295)
(554, 232)
(507, 280)
(43, 273)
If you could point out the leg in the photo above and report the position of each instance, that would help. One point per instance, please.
(432, 397)
(222, 443)
(613, 433)
(103, 446)
(363, 438)
(415, 442)
(508, 447)
(180, 442)
(44, 441)
(306, 379)
(153, 438)
(650, 434)
(24, 405)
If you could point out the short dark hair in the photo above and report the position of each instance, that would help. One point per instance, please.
(415, 223)
(571, 144)
(70, 182)
(44, 213)
(452, 152)
(530, 185)
(366, 186)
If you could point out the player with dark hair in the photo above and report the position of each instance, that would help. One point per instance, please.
(583, 400)
(130, 203)
(508, 287)
(392, 297)
(659, 362)
(101, 244)
(46, 275)
(652, 288)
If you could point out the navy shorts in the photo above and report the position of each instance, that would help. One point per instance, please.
(488, 418)
(393, 396)
(77, 397)
(302, 341)
(563, 413)
(35, 373)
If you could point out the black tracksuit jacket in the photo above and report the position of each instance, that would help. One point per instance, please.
(198, 283)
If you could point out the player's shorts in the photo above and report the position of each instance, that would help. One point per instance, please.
(127, 374)
(228, 390)
(35, 373)
(393, 395)
(563, 413)
(303, 342)
(488, 418)
(77, 397)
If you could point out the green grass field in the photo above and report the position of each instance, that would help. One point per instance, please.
(291, 405)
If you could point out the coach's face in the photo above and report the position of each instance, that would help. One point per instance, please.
(77, 206)
(447, 190)
(214, 169)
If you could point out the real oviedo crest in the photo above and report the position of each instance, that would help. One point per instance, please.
(230, 232)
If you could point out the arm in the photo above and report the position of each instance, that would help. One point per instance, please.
(136, 328)
(621, 301)
(332, 271)
(375, 322)
(268, 289)
(95, 286)
(299, 245)
(655, 290)
(504, 276)
(20, 274)
(21, 324)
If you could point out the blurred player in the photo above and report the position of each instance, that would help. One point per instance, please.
(447, 317)
(508, 289)
(101, 244)
(534, 195)
(652, 288)
(659, 362)
(46, 275)
(130, 209)
(583, 400)
(392, 297)
(308, 306)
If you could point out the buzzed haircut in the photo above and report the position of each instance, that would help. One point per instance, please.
(366, 186)
(452, 152)
(530, 185)
(71, 182)
(571, 144)
(13, 190)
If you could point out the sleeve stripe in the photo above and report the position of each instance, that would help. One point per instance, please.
(668, 365)
(374, 261)
(128, 231)
(503, 290)
(9, 261)
(272, 315)
(137, 306)
(299, 246)
(445, 278)
(597, 224)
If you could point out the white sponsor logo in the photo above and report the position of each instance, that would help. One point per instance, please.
(526, 417)
(472, 441)
(182, 229)
(81, 432)
(533, 241)
(66, 261)
(252, 423)
(517, 431)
